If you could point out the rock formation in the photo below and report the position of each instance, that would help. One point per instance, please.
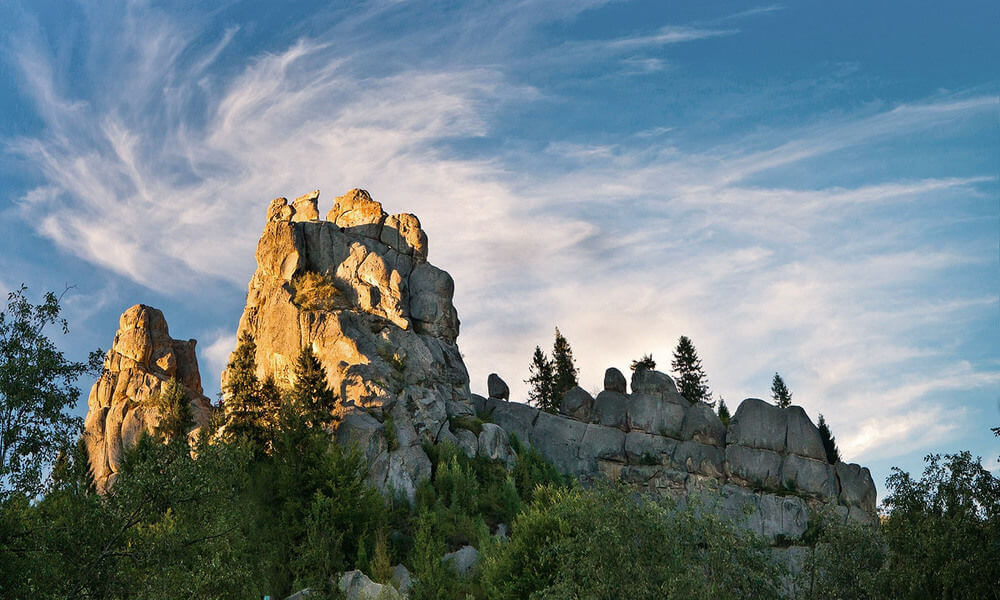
(358, 289)
(142, 359)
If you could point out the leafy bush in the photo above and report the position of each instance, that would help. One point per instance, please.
(315, 291)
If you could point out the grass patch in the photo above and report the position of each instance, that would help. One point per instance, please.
(315, 291)
(469, 422)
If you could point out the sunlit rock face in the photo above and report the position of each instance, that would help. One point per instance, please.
(357, 288)
(121, 407)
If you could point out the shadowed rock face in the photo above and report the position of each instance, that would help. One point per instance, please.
(385, 331)
(142, 359)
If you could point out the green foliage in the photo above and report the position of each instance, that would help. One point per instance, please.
(315, 291)
(36, 391)
(943, 530)
(564, 368)
(469, 422)
(646, 363)
(779, 392)
(310, 395)
(829, 442)
(692, 383)
(606, 543)
(542, 381)
(723, 412)
(845, 561)
(174, 408)
(251, 406)
(532, 470)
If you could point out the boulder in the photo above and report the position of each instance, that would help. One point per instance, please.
(497, 387)
(467, 442)
(758, 424)
(611, 410)
(655, 383)
(463, 561)
(402, 580)
(856, 486)
(403, 233)
(614, 381)
(803, 437)
(494, 444)
(601, 443)
(279, 210)
(577, 404)
(515, 418)
(305, 207)
(559, 440)
(652, 414)
(701, 424)
(355, 585)
(809, 476)
(356, 213)
(782, 517)
(703, 459)
(646, 449)
(753, 467)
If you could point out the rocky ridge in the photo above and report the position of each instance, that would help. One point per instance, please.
(358, 288)
(121, 406)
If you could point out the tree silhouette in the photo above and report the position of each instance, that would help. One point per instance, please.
(779, 392)
(692, 382)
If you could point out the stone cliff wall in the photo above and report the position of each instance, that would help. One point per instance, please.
(121, 405)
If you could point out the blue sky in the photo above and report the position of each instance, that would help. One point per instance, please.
(809, 188)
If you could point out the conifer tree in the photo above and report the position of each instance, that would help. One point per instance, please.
(244, 405)
(311, 396)
(692, 383)
(174, 407)
(565, 371)
(724, 415)
(541, 378)
(829, 442)
(646, 363)
(779, 392)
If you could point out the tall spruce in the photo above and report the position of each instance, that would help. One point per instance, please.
(692, 382)
(174, 407)
(311, 396)
(565, 371)
(779, 392)
(724, 415)
(541, 379)
(244, 403)
(829, 442)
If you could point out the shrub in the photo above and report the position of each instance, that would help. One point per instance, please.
(315, 291)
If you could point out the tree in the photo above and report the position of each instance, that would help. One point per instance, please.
(779, 392)
(251, 406)
(36, 390)
(542, 379)
(311, 396)
(564, 368)
(691, 379)
(174, 407)
(724, 415)
(829, 442)
(646, 363)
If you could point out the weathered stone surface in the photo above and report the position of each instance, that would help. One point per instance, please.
(305, 207)
(463, 561)
(611, 410)
(515, 418)
(758, 424)
(467, 442)
(493, 443)
(803, 437)
(559, 439)
(355, 585)
(403, 233)
(652, 414)
(401, 579)
(497, 387)
(655, 383)
(431, 290)
(357, 213)
(478, 403)
(121, 407)
(279, 210)
(856, 486)
(646, 448)
(813, 477)
(695, 457)
(701, 424)
(601, 443)
(782, 516)
(614, 381)
(754, 467)
(577, 404)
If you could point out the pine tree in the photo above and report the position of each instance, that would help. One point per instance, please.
(243, 401)
(174, 407)
(779, 392)
(829, 442)
(724, 415)
(691, 379)
(311, 396)
(646, 363)
(564, 367)
(541, 378)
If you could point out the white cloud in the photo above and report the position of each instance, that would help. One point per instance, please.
(215, 357)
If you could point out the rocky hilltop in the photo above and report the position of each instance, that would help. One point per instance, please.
(358, 289)
(121, 406)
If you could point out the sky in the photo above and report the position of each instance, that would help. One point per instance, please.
(808, 188)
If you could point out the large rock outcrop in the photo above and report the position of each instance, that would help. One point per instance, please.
(122, 403)
(357, 288)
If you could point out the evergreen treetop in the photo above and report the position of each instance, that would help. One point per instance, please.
(779, 392)
(311, 396)
(829, 442)
(646, 363)
(174, 407)
(692, 383)
(565, 371)
(724, 415)
(542, 379)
